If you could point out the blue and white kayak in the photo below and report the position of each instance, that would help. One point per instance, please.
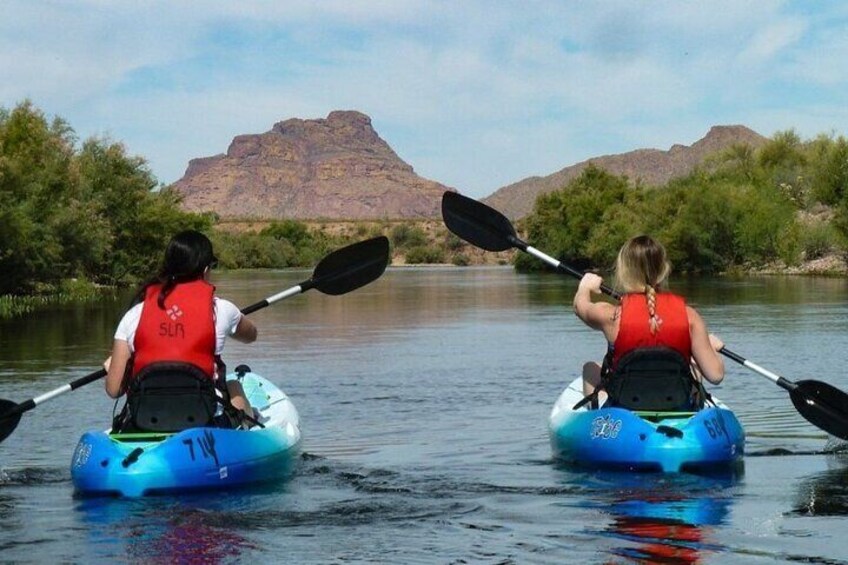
(709, 439)
(134, 465)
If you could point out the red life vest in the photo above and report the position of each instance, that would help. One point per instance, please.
(634, 329)
(183, 331)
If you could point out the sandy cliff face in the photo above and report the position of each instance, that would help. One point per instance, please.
(651, 166)
(334, 168)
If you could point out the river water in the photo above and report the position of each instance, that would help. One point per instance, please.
(423, 399)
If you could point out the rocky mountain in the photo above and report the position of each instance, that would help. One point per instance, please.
(334, 168)
(651, 166)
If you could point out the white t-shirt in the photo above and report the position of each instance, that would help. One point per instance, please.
(227, 318)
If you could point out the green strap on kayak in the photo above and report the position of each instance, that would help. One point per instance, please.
(656, 416)
(139, 436)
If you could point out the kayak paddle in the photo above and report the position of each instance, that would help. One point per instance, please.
(823, 405)
(341, 271)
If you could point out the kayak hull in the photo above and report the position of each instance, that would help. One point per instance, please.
(616, 438)
(203, 458)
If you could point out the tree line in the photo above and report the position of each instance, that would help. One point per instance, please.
(745, 208)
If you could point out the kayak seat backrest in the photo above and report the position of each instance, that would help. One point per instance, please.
(171, 397)
(652, 379)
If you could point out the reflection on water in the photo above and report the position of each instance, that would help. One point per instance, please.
(663, 518)
(160, 530)
(57, 337)
(667, 527)
(726, 291)
(763, 290)
(412, 297)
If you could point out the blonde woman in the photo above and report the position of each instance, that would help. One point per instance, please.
(647, 316)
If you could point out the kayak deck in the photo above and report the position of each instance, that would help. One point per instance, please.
(138, 464)
(618, 438)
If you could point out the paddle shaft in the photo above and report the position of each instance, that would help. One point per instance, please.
(780, 381)
(295, 290)
(33, 402)
(560, 266)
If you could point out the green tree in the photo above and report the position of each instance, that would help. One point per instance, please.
(565, 221)
(139, 219)
(782, 160)
(738, 161)
(35, 160)
(253, 251)
(296, 233)
(828, 169)
(697, 224)
(406, 236)
(92, 213)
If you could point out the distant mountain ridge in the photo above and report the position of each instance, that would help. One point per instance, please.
(339, 168)
(334, 168)
(651, 166)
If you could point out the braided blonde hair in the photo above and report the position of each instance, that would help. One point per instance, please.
(642, 267)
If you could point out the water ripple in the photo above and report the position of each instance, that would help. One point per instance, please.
(33, 476)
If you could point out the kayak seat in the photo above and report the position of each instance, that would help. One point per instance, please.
(653, 379)
(171, 397)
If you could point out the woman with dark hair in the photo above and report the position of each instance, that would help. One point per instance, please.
(648, 316)
(177, 318)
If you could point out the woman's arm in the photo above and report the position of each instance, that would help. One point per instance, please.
(597, 315)
(116, 366)
(246, 331)
(705, 348)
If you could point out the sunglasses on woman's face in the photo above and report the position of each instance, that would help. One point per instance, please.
(213, 263)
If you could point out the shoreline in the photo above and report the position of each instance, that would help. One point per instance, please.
(833, 265)
(830, 265)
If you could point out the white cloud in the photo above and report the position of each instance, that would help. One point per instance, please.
(771, 41)
(474, 94)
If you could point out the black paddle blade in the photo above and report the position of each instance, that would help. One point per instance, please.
(823, 406)
(476, 223)
(351, 267)
(8, 423)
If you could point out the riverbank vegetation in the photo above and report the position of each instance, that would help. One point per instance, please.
(79, 216)
(767, 209)
(289, 243)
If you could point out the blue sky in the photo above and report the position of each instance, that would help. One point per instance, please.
(473, 94)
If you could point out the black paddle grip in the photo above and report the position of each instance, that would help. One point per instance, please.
(87, 379)
(254, 307)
